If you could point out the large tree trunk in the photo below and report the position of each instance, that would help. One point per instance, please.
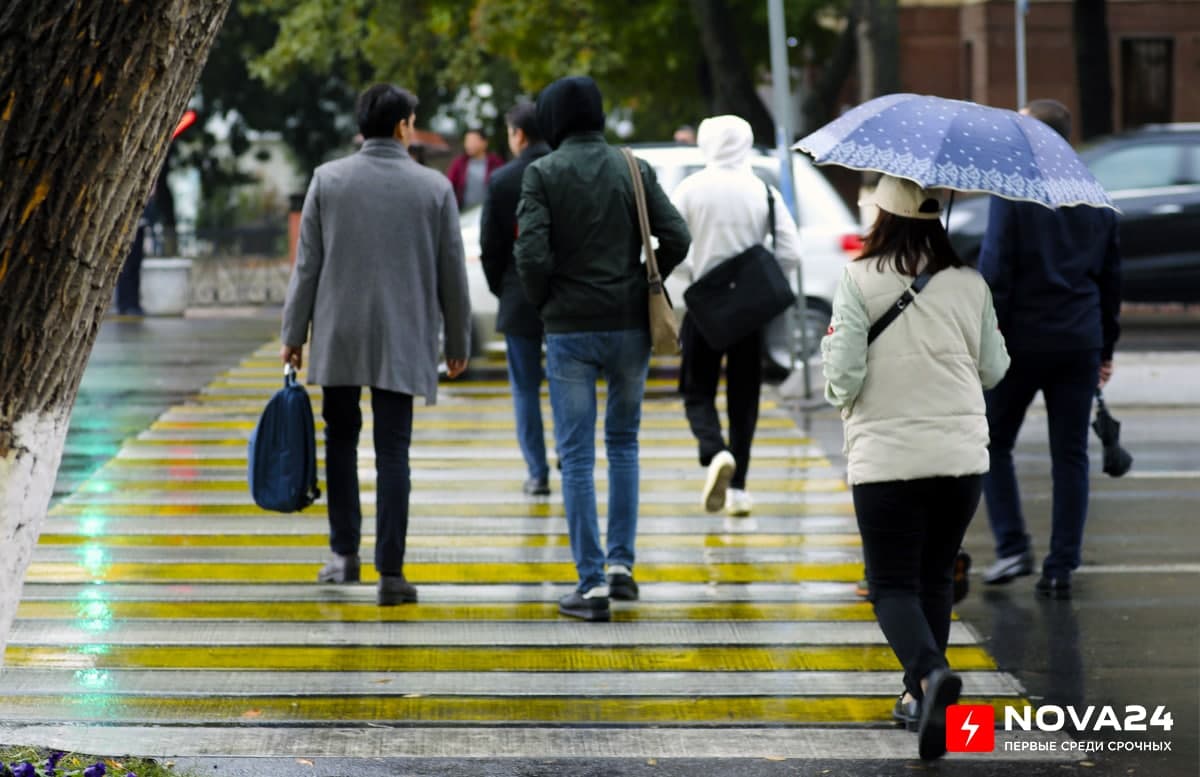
(89, 94)
(733, 85)
(1093, 68)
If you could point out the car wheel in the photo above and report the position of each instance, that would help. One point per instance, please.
(778, 350)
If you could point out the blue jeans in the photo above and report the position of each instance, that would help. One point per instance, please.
(1067, 381)
(574, 362)
(525, 377)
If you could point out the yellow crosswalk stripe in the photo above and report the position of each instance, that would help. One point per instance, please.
(427, 710)
(169, 487)
(384, 658)
(645, 541)
(530, 510)
(550, 572)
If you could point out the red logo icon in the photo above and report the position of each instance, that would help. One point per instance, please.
(970, 728)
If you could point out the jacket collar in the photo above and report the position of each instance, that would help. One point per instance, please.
(582, 137)
(384, 147)
(535, 150)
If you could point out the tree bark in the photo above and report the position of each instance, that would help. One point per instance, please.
(878, 48)
(821, 106)
(1092, 64)
(89, 94)
(733, 84)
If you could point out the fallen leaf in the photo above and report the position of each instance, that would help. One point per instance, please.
(384, 681)
(775, 757)
(414, 695)
(252, 714)
(304, 761)
(652, 762)
(1087, 764)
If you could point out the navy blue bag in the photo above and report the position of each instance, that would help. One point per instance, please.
(283, 451)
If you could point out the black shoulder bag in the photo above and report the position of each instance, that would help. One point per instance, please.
(740, 295)
(895, 310)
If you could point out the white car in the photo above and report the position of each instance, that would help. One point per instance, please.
(829, 237)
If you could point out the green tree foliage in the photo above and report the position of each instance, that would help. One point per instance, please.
(647, 55)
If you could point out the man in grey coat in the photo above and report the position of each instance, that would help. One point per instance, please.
(379, 267)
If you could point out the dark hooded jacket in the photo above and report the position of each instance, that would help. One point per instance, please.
(579, 249)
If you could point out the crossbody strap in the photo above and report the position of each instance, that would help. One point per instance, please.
(639, 195)
(771, 214)
(895, 310)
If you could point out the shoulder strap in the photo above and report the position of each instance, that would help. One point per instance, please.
(639, 195)
(771, 213)
(895, 310)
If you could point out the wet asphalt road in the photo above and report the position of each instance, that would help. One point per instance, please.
(1129, 636)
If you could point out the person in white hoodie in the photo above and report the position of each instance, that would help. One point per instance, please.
(725, 206)
(916, 430)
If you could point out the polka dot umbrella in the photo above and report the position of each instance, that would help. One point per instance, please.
(958, 145)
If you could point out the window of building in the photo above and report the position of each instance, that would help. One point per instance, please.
(1147, 80)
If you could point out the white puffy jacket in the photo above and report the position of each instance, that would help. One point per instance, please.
(912, 404)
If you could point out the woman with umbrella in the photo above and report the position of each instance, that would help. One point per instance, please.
(916, 429)
(912, 401)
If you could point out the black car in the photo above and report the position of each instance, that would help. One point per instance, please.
(1153, 176)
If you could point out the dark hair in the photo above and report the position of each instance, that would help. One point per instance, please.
(1054, 113)
(523, 116)
(478, 131)
(381, 108)
(904, 242)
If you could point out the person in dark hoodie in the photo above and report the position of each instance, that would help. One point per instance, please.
(578, 256)
(517, 318)
(1055, 277)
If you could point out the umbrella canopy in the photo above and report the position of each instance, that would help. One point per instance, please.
(964, 146)
(1117, 460)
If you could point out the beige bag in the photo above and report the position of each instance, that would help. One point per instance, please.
(664, 327)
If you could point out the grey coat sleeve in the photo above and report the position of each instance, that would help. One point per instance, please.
(532, 253)
(453, 292)
(310, 256)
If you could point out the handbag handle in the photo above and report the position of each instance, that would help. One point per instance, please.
(639, 195)
(771, 216)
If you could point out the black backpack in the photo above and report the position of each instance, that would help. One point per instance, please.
(283, 451)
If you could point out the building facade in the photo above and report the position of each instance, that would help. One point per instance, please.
(966, 49)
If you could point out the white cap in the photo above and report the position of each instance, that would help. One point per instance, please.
(902, 197)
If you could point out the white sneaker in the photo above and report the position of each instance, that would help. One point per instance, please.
(720, 472)
(738, 503)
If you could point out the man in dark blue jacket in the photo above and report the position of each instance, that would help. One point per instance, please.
(517, 318)
(1055, 277)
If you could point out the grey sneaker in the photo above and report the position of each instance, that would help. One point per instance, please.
(340, 569)
(1009, 568)
(393, 590)
(537, 487)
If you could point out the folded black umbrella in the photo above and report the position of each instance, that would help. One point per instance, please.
(1117, 460)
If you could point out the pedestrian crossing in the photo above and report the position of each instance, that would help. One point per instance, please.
(162, 604)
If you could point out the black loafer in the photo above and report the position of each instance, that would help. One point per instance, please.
(1053, 587)
(537, 487)
(943, 690)
(907, 714)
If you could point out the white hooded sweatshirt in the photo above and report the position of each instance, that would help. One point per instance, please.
(725, 204)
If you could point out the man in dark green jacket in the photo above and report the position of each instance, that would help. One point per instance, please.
(578, 255)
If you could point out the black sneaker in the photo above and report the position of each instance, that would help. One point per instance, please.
(588, 608)
(537, 487)
(944, 689)
(621, 585)
(1053, 587)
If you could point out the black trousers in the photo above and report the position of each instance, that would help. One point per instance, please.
(911, 531)
(699, 374)
(393, 435)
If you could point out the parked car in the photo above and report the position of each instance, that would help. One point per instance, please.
(829, 236)
(1153, 176)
